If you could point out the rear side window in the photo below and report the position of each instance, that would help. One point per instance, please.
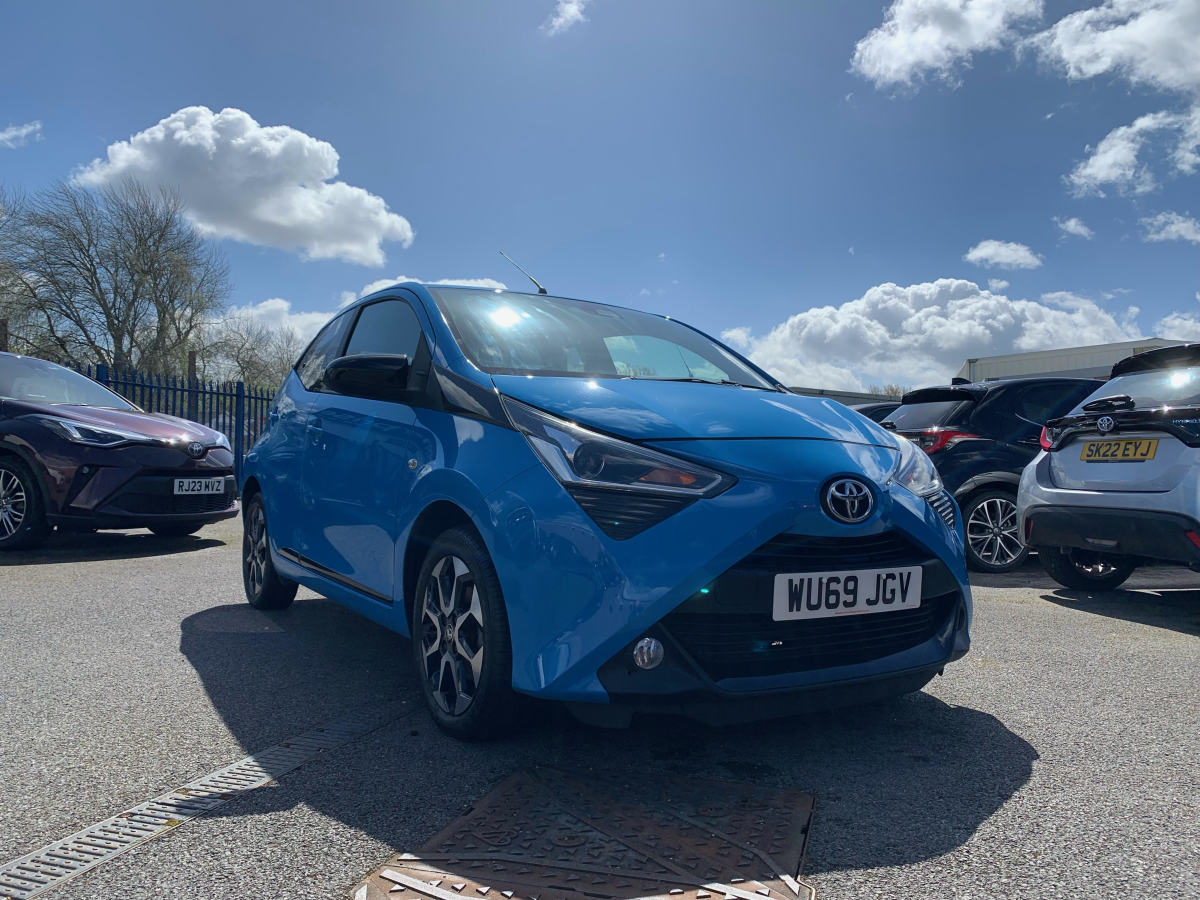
(325, 348)
(389, 326)
(915, 416)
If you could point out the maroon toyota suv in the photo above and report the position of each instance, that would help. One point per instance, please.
(73, 454)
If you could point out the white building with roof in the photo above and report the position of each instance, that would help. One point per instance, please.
(1094, 361)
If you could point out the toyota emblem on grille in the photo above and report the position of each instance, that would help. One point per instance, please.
(1106, 424)
(195, 449)
(849, 500)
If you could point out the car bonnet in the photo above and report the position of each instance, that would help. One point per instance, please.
(648, 410)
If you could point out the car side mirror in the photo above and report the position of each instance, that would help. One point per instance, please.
(378, 376)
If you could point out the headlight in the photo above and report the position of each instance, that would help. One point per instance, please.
(92, 435)
(222, 441)
(915, 472)
(578, 457)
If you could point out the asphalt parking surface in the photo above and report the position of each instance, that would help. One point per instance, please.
(1058, 759)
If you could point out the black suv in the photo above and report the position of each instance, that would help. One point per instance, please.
(980, 436)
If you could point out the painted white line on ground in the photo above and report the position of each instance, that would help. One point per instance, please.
(55, 863)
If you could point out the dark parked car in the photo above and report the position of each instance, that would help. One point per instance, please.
(76, 455)
(981, 436)
(876, 412)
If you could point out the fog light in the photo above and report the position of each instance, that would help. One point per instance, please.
(648, 653)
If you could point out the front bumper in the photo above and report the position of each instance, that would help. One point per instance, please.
(725, 655)
(148, 500)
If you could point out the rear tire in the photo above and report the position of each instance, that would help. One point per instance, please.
(990, 524)
(265, 589)
(461, 646)
(22, 508)
(1085, 570)
(175, 530)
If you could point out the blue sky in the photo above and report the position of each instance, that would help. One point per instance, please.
(853, 193)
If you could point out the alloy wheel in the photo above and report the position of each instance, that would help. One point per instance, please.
(452, 629)
(992, 531)
(13, 503)
(256, 549)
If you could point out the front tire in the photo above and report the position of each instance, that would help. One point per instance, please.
(993, 542)
(265, 589)
(22, 509)
(1085, 570)
(460, 639)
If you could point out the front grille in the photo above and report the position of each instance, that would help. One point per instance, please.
(154, 496)
(731, 646)
(188, 504)
(623, 514)
(729, 631)
(804, 553)
(944, 504)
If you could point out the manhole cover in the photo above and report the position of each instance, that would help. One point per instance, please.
(551, 835)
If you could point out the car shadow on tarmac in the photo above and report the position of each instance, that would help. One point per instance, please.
(1177, 610)
(85, 546)
(895, 783)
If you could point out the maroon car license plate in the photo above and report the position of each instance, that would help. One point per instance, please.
(199, 485)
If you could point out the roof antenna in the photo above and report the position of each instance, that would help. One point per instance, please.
(541, 290)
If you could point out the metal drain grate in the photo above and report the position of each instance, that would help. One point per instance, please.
(43, 869)
(545, 834)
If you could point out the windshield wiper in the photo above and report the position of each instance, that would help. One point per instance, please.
(708, 381)
(1115, 401)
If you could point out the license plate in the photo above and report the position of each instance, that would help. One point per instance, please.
(199, 485)
(820, 595)
(1123, 450)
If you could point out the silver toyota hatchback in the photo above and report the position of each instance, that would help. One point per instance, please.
(1117, 483)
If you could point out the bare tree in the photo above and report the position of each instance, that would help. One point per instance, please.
(117, 276)
(895, 391)
(243, 348)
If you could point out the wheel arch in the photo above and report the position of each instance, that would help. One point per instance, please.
(29, 460)
(986, 481)
(250, 488)
(439, 516)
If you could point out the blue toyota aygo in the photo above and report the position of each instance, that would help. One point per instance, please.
(598, 506)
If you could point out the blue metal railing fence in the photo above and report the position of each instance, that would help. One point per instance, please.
(234, 408)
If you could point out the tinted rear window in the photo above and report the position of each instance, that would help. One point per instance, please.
(1161, 387)
(914, 416)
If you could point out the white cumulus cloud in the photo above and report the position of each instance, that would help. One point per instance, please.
(1178, 327)
(19, 135)
(267, 185)
(277, 313)
(996, 285)
(1074, 226)
(922, 39)
(1155, 43)
(1119, 160)
(1002, 255)
(920, 334)
(566, 14)
(1171, 226)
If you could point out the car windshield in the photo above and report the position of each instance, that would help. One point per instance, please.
(912, 416)
(506, 333)
(37, 381)
(1159, 387)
